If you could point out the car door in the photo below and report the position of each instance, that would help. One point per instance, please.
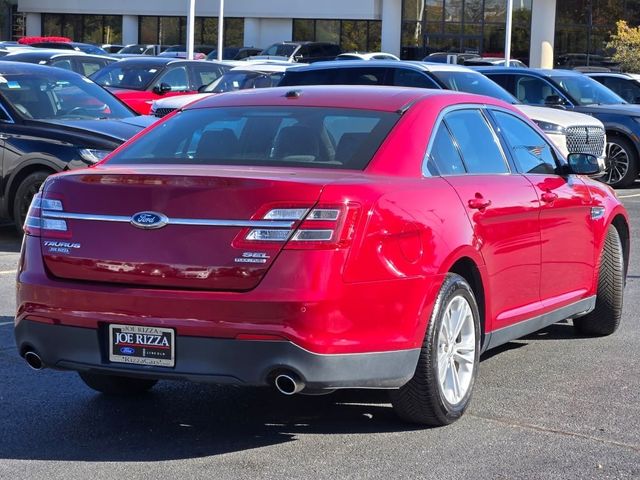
(177, 79)
(502, 207)
(566, 229)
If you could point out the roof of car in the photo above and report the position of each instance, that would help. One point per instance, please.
(21, 68)
(50, 54)
(415, 65)
(266, 67)
(146, 60)
(339, 96)
(609, 74)
(539, 72)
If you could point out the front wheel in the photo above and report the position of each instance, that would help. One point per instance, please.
(115, 385)
(605, 317)
(622, 162)
(440, 390)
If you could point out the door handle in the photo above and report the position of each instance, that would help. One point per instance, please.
(479, 203)
(548, 197)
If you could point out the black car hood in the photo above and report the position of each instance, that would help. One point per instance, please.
(114, 130)
(622, 109)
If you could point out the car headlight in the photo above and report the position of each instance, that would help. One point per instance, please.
(548, 127)
(93, 155)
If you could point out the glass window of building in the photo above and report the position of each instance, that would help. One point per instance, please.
(83, 28)
(351, 35)
(463, 26)
(173, 31)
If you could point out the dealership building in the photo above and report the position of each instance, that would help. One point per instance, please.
(542, 29)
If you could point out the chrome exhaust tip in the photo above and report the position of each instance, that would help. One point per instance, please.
(288, 384)
(33, 360)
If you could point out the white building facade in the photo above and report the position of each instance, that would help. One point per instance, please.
(408, 28)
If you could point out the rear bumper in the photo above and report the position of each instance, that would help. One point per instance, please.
(220, 361)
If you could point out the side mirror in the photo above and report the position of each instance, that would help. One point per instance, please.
(162, 88)
(297, 58)
(554, 101)
(585, 164)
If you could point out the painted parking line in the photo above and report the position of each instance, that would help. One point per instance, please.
(7, 272)
(629, 196)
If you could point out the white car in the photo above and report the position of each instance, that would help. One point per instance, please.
(366, 56)
(249, 75)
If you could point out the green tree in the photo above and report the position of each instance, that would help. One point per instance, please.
(626, 44)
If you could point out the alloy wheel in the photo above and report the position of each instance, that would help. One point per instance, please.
(617, 163)
(456, 350)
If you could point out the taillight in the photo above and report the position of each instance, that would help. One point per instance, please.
(325, 226)
(41, 218)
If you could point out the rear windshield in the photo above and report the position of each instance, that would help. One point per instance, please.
(264, 136)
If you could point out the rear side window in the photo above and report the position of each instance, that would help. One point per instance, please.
(264, 136)
(403, 77)
(204, 76)
(443, 157)
(309, 77)
(531, 152)
(478, 144)
(532, 90)
(89, 68)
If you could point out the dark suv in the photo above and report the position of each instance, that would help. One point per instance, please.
(571, 90)
(302, 52)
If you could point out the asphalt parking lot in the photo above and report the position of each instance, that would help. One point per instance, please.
(549, 406)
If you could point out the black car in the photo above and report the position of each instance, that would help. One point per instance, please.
(301, 52)
(81, 63)
(53, 120)
(627, 85)
(575, 91)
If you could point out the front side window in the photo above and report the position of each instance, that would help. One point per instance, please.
(530, 151)
(478, 144)
(309, 137)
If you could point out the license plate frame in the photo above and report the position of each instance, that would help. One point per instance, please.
(141, 345)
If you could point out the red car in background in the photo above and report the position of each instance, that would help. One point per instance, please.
(319, 238)
(141, 80)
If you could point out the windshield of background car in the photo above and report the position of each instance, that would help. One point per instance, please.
(280, 50)
(45, 97)
(472, 82)
(232, 81)
(134, 49)
(310, 137)
(119, 75)
(586, 91)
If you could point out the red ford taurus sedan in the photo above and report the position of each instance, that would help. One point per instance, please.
(319, 238)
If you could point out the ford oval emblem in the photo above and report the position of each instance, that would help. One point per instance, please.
(127, 350)
(149, 220)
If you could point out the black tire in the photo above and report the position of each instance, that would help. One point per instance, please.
(422, 400)
(605, 317)
(24, 194)
(620, 150)
(114, 385)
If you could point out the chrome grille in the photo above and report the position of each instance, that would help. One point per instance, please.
(161, 112)
(586, 140)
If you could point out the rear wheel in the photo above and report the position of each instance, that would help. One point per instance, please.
(605, 317)
(115, 385)
(622, 162)
(440, 390)
(24, 194)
